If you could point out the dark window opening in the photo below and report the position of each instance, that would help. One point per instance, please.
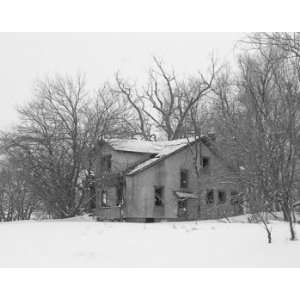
(205, 162)
(210, 197)
(158, 196)
(222, 197)
(119, 191)
(182, 204)
(106, 162)
(182, 208)
(92, 191)
(184, 179)
(236, 202)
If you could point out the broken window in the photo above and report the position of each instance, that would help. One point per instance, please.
(106, 162)
(158, 196)
(182, 208)
(182, 204)
(222, 197)
(205, 162)
(119, 191)
(92, 191)
(210, 197)
(234, 197)
(184, 179)
(236, 202)
(104, 198)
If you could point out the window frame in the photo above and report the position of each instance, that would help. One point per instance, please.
(207, 166)
(119, 195)
(184, 184)
(106, 162)
(222, 197)
(233, 197)
(212, 200)
(104, 203)
(182, 208)
(159, 202)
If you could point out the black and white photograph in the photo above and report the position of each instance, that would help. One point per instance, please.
(140, 150)
(149, 150)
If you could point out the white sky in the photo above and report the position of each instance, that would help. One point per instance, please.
(24, 57)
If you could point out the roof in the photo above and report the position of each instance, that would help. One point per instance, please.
(139, 146)
(165, 149)
(160, 150)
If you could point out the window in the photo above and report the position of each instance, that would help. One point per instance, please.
(205, 163)
(222, 197)
(92, 191)
(210, 197)
(158, 196)
(104, 198)
(184, 179)
(119, 191)
(234, 197)
(182, 208)
(236, 203)
(90, 179)
(106, 162)
(182, 204)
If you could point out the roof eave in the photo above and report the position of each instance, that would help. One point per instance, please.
(160, 159)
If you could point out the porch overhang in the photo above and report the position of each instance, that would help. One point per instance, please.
(185, 195)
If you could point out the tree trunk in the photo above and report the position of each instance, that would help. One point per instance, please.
(292, 230)
(269, 236)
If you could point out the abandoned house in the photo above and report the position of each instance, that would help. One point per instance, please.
(170, 180)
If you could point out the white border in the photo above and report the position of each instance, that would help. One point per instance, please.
(150, 15)
(239, 284)
(141, 16)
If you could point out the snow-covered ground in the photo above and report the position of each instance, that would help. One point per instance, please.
(82, 242)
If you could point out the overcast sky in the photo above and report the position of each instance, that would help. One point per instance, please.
(24, 57)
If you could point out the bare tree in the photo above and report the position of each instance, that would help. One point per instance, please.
(16, 200)
(50, 138)
(258, 117)
(166, 103)
(56, 138)
(288, 42)
(138, 120)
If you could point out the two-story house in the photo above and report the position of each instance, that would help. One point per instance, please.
(170, 180)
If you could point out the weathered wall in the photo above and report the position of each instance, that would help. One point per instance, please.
(140, 188)
(217, 177)
(120, 161)
(140, 191)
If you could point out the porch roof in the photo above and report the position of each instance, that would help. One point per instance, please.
(185, 195)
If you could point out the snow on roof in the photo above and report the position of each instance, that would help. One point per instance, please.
(184, 196)
(164, 149)
(143, 165)
(134, 145)
(140, 146)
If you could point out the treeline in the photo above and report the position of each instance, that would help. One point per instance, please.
(49, 154)
(254, 111)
